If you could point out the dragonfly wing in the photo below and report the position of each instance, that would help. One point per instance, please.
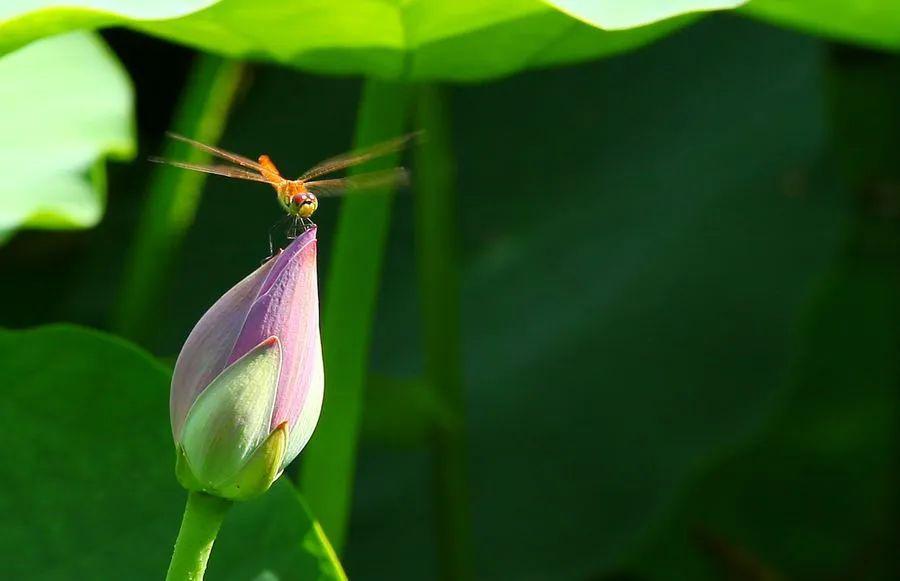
(352, 158)
(367, 182)
(227, 155)
(221, 170)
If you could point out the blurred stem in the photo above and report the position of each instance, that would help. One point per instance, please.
(203, 515)
(863, 97)
(436, 243)
(329, 462)
(863, 92)
(174, 195)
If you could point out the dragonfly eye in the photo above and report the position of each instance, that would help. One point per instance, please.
(306, 204)
(303, 199)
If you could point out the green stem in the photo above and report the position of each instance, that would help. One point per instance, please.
(863, 91)
(328, 469)
(203, 515)
(174, 194)
(436, 243)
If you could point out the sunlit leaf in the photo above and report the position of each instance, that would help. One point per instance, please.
(872, 22)
(431, 39)
(420, 39)
(65, 103)
(628, 14)
(22, 21)
(449, 39)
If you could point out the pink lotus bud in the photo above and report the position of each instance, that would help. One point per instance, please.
(248, 384)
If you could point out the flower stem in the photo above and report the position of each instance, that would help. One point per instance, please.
(203, 516)
(436, 245)
(174, 195)
(354, 275)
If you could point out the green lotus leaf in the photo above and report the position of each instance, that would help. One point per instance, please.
(621, 15)
(89, 480)
(65, 104)
(22, 21)
(421, 39)
(875, 23)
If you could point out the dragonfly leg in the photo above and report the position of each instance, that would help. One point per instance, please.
(276, 226)
(294, 230)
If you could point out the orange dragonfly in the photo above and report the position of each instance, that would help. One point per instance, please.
(300, 197)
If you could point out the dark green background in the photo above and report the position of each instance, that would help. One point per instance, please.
(679, 303)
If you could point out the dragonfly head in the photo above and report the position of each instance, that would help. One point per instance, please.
(304, 205)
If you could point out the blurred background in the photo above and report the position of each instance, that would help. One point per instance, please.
(676, 271)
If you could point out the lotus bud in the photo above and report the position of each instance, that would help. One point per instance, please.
(248, 383)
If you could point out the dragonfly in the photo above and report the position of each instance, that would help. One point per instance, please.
(300, 197)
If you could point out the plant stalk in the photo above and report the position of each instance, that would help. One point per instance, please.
(329, 462)
(436, 244)
(174, 194)
(203, 515)
(863, 89)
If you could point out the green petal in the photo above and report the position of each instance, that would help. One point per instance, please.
(183, 472)
(231, 418)
(263, 468)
